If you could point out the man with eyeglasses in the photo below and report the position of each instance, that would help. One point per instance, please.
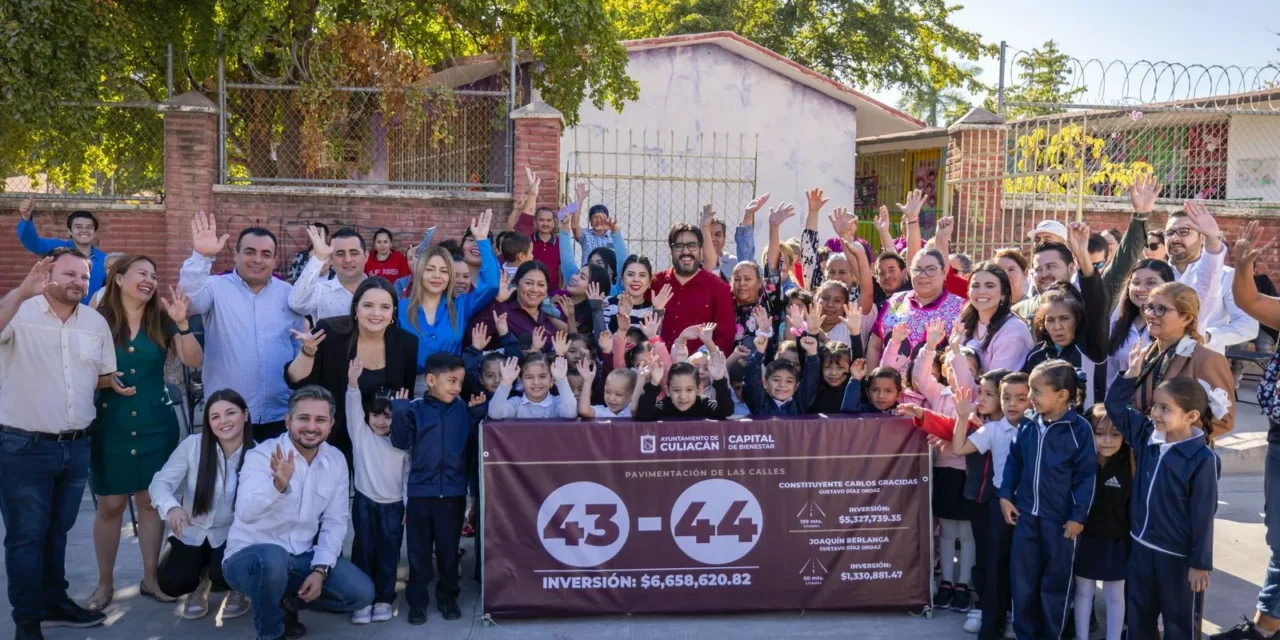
(698, 296)
(83, 229)
(1195, 243)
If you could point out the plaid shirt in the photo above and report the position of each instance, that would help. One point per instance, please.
(591, 241)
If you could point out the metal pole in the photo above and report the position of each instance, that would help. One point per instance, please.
(511, 129)
(222, 113)
(168, 72)
(1000, 87)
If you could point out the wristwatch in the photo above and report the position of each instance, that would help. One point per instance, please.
(322, 569)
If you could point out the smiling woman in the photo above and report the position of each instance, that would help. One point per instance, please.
(369, 332)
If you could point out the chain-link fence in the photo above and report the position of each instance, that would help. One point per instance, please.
(296, 135)
(116, 153)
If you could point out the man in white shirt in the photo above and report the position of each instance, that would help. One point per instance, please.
(318, 297)
(1196, 244)
(291, 515)
(55, 352)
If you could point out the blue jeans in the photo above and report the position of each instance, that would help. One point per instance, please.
(41, 486)
(267, 573)
(376, 549)
(1269, 596)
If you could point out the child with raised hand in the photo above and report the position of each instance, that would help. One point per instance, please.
(1045, 495)
(837, 359)
(883, 385)
(785, 389)
(537, 376)
(377, 511)
(619, 387)
(1176, 497)
(683, 400)
(434, 430)
(1103, 553)
(892, 356)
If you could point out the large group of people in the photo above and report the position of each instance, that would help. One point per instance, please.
(1072, 396)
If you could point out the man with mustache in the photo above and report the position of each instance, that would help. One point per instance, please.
(292, 513)
(699, 296)
(54, 352)
(1195, 243)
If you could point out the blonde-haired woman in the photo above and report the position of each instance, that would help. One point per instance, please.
(433, 312)
(1177, 350)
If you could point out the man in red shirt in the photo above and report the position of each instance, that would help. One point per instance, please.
(541, 228)
(698, 296)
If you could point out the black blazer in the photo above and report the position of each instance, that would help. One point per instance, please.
(333, 357)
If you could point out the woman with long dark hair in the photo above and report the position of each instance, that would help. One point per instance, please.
(1128, 324)
(586, 312)
(524, 309)
(206, 466)
(633, 295)
(369, 333)
(135, 429)
(1000, 338)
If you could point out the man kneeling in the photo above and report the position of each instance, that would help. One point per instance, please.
(291, 514)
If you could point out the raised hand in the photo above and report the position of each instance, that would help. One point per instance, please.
(908, 410)
(843, 222)
(37, 279)
(560, 343)
(740, 352)
(1243, 254)
(708, 213)
(500, 323)
(1137, 356)
(655, 372)
(480, 226)
(934, 332)
(690, 333)
(403, 394)
(480, 336)
(1143, 193)
(476, 400)
(816, 200)
(882, 220)
(761, 318)
(1201, 219)
(901, 332)
(810, 345)
(761, 343)
(510, 371)
(795, 317)
(853, 318)
(594, 292)
(717, 367)
(964, 400)
(538, 341)
(281, 468)
(813, 320)
(650, 325)
(535, 183)
(504, 286)
(204, 235)
(944, 227)
(911, 210)
(320, 247)
(858, 369)
(25, 207)
(781, 213)
(178, 518)
(707, 335)
(559, 369)
(605, 341)
(588, 371)
(353, 372)
(1078, 236)
(176, 305)
(580, 192)
(565, 303)
(757, 203)
(310, 341)
(660, 299)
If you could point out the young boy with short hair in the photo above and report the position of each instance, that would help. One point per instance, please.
(785, 389)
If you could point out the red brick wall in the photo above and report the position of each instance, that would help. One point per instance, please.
(125, 231)
(538, 147)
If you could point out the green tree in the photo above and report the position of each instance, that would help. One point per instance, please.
(1044, 78)
(935, 105)
(56, 52)
(879, 44)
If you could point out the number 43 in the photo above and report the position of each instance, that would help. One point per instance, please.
(732, 524)
(571, 532)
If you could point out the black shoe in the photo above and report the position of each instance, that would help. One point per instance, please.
(293, 604)
(1243, 631)
(961, 601)
(449, 610)
(293, 628)
(70, 614)
(942, 599)
(417, 615)
(29, 630)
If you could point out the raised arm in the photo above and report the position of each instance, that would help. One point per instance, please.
(882, 228)
(1129, 251)
(745, 235)
(809, 238)
(304, 298)
(404, 425)
(1094, 337)
(491, 273)
(710, 259)
(194, 276)
(530, 203)
(257, 494)
(777, 216)
(1133, 426)
(911, 220)
(33, 285)
(1263, 308)
(29, 236)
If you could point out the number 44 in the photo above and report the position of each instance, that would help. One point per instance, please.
(732, 524)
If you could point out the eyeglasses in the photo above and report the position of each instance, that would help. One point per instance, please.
(927, 272)
(1154, 245)
(685, 246)
(1184, 232)
(1155, 310)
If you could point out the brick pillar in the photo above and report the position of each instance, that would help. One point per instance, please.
(975, 174)
(537, 146)
(190, 171)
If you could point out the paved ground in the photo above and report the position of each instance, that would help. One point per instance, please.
(1241, 558)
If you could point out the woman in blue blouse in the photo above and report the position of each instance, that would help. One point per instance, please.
(433, 312)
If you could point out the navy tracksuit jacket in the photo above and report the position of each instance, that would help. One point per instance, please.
(759, 401)
(1175, 498)
(1049, 477)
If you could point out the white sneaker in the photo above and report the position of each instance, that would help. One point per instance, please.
(1008, 629)
(362, 616)
(382, 612)
(973, 622)
(197, 604)
(235, 605)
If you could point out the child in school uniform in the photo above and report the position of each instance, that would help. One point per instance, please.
(1103, 552)
(884, 389)
(837, 360)
(785, 388)
(434, 430)
(1175, 498)
(619, 386)
(683, 399)
(377, 511)
(537, 376)
(1047, 489)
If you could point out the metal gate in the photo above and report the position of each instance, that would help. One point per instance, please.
(651, 180)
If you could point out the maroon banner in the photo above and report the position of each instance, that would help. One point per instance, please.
(585, 518)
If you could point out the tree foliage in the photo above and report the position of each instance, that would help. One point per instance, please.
(59, 52)
(1058, 157)
(937, 105)
(1044, 78)
(865, 43)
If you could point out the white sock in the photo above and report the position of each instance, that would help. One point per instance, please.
(1113, 594)
(947, 548)
(967, 552)
(1084, 605)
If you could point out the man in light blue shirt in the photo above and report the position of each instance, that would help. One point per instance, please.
(83, 228)
(248, 323)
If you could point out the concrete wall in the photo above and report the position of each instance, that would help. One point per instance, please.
(1253, 158)
(806, 139)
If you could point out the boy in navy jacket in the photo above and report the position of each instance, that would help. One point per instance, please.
(783, 391)
(435, 431)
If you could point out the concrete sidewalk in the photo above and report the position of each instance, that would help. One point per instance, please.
(1240, 556)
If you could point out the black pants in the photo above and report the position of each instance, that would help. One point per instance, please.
(978, 523)
(433, 524)
(376, 549)
(183, 565)
(996, 595)
(267, 430)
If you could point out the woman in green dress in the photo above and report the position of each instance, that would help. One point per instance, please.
(136, 429)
